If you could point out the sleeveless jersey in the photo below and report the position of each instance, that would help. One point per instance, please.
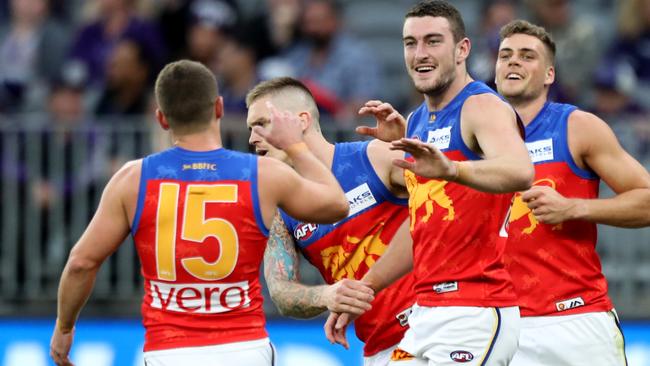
(458, 232)
(200, 237)
(350, 247)
(555, 268)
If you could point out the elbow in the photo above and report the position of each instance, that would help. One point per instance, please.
(341, 209)
(525, 177)
(78, 264)
(334, 211)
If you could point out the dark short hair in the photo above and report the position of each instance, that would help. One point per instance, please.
(442, 9)
(524, 27)
(185, 93)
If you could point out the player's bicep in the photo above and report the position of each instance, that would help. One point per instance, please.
(603, 154)
(281, 260)
(108, 227)
(493, 125)
(300, 198)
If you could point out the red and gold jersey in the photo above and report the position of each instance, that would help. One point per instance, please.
(350, 247)
(200, 237)
(458, 232)
(555, 268)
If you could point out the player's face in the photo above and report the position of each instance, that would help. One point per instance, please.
(429, 53)
(523, 68)
(259, 115)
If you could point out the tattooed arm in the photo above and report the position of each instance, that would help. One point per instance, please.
(294, 299)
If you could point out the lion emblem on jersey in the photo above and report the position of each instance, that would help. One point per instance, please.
(426, 194)
(343, 261)
(520, 209)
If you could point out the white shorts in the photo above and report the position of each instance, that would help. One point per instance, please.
(251, 353)
(380, 358)
(590, 339)
(449, 335)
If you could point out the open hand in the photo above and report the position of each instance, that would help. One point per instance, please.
(336, 327)
(429, 162)
(285, 130)
(390, 124)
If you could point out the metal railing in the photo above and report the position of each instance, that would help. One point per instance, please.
(53, 176)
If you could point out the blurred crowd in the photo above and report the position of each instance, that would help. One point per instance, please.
(79, 60)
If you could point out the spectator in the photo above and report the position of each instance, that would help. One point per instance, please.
(632, 44)
(206, 35)
(495, 14)
(237, 72)
(32, 50)
(578, 47)
(117, 20)
(128, 75)
(276, 28)
(185, 22)
(615, 86)
(340, 70)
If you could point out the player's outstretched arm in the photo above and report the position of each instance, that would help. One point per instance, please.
(594, 144)
(391, 125)
(294, 299)
(506, 165)
(313, 193)
(106, 231)
(489, 127)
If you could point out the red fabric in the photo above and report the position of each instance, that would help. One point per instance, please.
(564, 255)
(190, 311)
(457, 246)
(348, 252)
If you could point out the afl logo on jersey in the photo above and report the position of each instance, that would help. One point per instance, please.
(304, 231)
(461, 356)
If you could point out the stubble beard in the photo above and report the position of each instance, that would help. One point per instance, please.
(521, 98)
(440, 86)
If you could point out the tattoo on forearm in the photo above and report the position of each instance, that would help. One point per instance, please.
(281, 271)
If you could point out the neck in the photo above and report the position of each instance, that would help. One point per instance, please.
(321, 148)
(439, 101)
(528, 109)
(206, 140)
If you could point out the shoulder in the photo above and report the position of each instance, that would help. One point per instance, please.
(485, 100)
(129, 172)
(582, 119)
(587, 131)
(587, 126)
(270, 168)
(125, 183)
(380, 150)
(479, 106)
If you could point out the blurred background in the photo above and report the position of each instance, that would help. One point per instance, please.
(76, 102)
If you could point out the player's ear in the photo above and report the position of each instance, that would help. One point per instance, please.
(549, 78)
(462, 50)
(306, 120)
(218, 107)
(162, 120)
